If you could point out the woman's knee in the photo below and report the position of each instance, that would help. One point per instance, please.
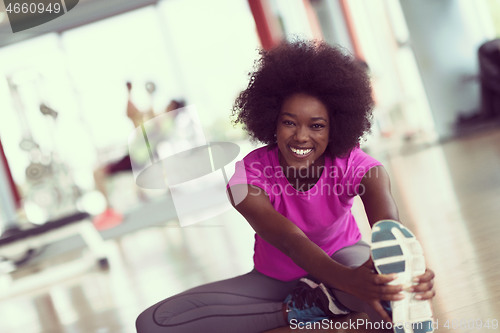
(163, 315)
(145, 322)
(353, 256)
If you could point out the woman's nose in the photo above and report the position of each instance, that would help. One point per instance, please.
(301, 134)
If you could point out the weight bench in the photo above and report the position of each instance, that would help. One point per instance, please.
(55, 230)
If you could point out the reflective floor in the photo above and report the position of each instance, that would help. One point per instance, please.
(448, 194)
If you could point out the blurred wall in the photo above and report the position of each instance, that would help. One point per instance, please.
(445, 37)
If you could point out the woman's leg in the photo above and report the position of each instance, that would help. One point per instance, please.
(354, 256)
(246, 303)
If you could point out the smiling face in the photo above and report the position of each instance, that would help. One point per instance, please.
(302, 131)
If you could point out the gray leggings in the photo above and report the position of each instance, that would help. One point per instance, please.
(248, 303)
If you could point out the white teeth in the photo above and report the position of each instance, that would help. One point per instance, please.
(300, 151)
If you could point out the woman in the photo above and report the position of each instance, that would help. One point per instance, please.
(310, 104)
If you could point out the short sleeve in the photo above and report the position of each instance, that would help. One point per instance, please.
(358, 164)
(249, 173)
(255, 169)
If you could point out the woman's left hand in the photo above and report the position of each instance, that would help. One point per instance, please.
(424, 288)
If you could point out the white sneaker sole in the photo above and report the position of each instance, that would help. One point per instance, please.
(395, 249)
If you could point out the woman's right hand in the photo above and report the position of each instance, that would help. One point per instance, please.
(280, 232)
(366, 284)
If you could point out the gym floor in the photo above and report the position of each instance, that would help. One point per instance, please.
(448, 194)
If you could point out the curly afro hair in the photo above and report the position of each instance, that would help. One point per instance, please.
(315, 68)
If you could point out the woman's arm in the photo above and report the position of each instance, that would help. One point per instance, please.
(288, 238)
(375, 192)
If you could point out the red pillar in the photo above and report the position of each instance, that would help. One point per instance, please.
(12, 185)
(268, 28)
(346, 11)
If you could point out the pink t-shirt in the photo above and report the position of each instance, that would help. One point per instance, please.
(323, 212)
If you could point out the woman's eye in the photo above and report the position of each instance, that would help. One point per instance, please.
(318, 126)
(287, 122)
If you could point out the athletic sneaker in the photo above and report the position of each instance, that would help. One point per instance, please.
(310, 301)
(395, 249)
